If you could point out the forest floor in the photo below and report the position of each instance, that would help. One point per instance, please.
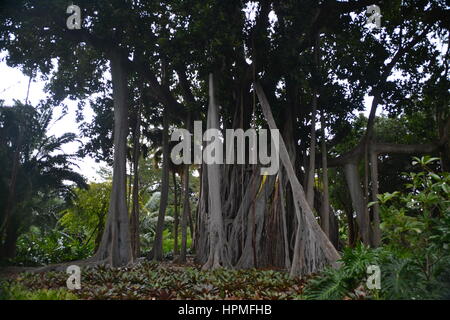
(165, 280)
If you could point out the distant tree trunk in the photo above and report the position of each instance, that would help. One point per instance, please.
(186, 204)
(115, 246)
(12, 188)
(28, 88)
(158, 243)
(367, 193)
(287, 258)
(130, 185)
(9, 247)
(312, 156)
(333, 222)
(100, 226)
(134, 218)
(191, 227)
(176, 217)
(351, 228)
(376, 207)
(334, 229)
(358, 202)
(185, 214)
(444, 129)
(325, 208)
(312, 149)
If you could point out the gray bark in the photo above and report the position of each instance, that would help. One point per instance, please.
(217, 256)
(354, 186)
(287, 258)
(376, 238)
(176, 217)
(313, 250)
(115, 247)
(185, 214)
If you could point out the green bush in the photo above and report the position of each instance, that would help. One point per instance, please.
(415, 257)
(41, 248)
(337, 284)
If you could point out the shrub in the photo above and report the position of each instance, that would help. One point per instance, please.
(54, 246)
(415, 257)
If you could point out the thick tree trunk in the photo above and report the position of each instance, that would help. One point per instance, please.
(287, 257)
(313, 250)
(252, 249)
(201, 225)
(158, 243)
(115, 247)
(218, 256)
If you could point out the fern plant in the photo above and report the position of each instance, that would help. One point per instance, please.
(337, 284)
(414, 260)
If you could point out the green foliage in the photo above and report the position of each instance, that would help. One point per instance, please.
(54, 246)
(336, 284)
(415, 257)
(75, 235)
(169, 241)
(416, 225)
(34, 181)
(19, 292)
(149, 280)
(352, 65)
(88, 210)
(419, 217)
(86, 217)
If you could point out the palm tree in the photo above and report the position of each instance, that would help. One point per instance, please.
(34, 168)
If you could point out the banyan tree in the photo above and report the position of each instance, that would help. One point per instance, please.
(306, 68)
